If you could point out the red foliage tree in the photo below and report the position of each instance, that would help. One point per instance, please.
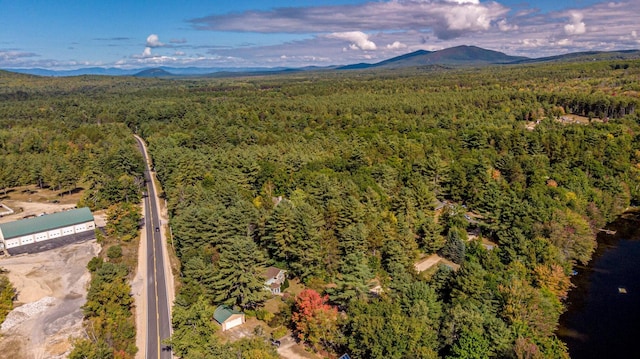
(314, 319)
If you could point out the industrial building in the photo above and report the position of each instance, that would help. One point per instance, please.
(44, 228)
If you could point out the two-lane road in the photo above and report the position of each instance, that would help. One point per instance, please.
(158, 316)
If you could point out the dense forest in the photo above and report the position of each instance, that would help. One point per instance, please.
(347, 179)
(48, 140)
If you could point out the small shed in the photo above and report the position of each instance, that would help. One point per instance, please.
(227, 317)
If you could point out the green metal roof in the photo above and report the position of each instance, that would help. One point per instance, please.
(44, 223)
(223, 313)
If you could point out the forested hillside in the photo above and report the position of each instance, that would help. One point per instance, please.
(336, 177)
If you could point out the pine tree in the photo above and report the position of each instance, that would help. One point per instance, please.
(292, 235)
(352, 280)
(198, 275)
(454, 248)
(308, 226)
(238, 280)
(279, 235)
(194, 331)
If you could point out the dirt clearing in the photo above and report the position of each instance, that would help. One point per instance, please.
(51, 288)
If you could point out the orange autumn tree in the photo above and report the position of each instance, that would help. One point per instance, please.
(315, 320)
(553, 278)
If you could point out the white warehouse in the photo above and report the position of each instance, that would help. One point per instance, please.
(46, 227)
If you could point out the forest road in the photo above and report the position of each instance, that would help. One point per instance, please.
(158, 316)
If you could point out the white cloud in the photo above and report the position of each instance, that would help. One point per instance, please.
(13, 55)
(359, 40)
(533, 43)
(564, 42)
(146, 54)
(387, 26)
(154, 41)
(476, 2)
(468, 17)
(503, 25)
(576, 26)
(396, 45)
(447, 19)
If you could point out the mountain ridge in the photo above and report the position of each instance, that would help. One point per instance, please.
(458, 56)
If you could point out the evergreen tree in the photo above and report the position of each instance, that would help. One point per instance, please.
(352, 281)
(454, 248)
(279, 235)
(238, 280)
(194, 332)
(308, 226)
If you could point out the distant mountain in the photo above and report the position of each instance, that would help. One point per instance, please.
(587, 56)
(110, 71)
(174, 71)
(156, 72)
(469, 55)
(454, 56)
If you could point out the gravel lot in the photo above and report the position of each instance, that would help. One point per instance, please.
(51, 288)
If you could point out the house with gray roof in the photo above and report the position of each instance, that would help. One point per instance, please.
(274, 278)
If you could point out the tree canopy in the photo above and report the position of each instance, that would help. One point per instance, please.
(347, 178)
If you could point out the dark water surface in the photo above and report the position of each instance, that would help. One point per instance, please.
(602, 322)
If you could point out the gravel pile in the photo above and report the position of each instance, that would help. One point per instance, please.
(25, 312)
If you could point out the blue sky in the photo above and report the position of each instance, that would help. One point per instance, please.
(67, 34)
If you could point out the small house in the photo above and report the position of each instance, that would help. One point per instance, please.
(274, 277)
(227, 317)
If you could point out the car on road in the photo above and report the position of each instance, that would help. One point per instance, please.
(157, 229)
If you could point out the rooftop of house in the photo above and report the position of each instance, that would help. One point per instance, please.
(46, 222)
(223, 313)
(271, 272)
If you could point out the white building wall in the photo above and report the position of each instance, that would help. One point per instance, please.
(54, 233)
(14, 242)
(26, 239)
(68, 230)
(42, 236)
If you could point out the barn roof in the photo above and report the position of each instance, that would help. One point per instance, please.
(44, 223)
(223, 313)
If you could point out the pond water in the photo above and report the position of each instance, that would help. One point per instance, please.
(603, 310)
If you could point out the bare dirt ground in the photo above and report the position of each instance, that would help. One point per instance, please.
(30, 201)
(427, 263)
(51, 288)
(289, 348)
(432, 260)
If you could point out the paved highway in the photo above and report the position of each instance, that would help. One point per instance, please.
(158, 315)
